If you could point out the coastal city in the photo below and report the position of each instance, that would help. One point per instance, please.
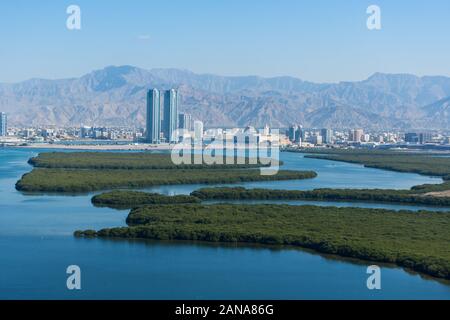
(165, 125)
(224, 159)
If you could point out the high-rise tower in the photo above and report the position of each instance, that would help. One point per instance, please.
(153, 116)
(170, 122)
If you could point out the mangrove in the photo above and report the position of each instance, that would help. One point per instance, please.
(414, 240)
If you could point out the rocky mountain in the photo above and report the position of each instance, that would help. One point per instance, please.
(115, 96)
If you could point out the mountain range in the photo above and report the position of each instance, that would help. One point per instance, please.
(115, 96)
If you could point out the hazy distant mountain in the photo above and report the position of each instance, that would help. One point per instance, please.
(116, 96)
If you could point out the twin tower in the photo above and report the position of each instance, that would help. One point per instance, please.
(162, 115)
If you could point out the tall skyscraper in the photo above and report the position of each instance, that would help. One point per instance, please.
(153, 116)
(185, 121)
(170, 121)
(3, 124)
(162, 115)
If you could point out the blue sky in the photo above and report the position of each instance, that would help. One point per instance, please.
(316, 40)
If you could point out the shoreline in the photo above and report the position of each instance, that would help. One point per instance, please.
(238, 223)
(116, 147)
(91, 147)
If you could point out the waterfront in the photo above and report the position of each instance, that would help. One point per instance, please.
(37, 245)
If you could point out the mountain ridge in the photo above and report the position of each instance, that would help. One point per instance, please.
(115, 96)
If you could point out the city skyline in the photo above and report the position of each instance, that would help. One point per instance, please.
(115, 96)
(295, 135)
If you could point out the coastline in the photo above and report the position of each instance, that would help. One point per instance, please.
(114, 147)
(97, 147)
(365, 234)
(311, 249)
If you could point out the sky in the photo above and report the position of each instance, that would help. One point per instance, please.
(315, 40)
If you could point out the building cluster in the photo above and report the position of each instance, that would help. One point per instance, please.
(165, 124)
(419, 138)
(53, 134)
(243, 136)
(301, 137)
(107, 133)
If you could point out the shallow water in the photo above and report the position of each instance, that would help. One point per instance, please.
(37, 246)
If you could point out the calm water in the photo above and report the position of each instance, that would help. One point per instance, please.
(37, 245)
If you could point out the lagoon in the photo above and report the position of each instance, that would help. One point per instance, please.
(37, 245)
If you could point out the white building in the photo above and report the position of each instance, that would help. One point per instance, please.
(198, 130)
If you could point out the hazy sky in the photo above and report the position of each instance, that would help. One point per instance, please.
(316, 40)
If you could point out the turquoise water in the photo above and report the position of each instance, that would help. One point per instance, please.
(343, 204)
(331, 174)
(37, 245)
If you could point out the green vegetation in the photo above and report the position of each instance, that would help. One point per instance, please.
(122, 160)
(370, 152)
(414, 163)
(129, 199)
(73, 180)
(416, 240)
(426, 188)
(369, 195)
(425, 164)
(91, 171)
